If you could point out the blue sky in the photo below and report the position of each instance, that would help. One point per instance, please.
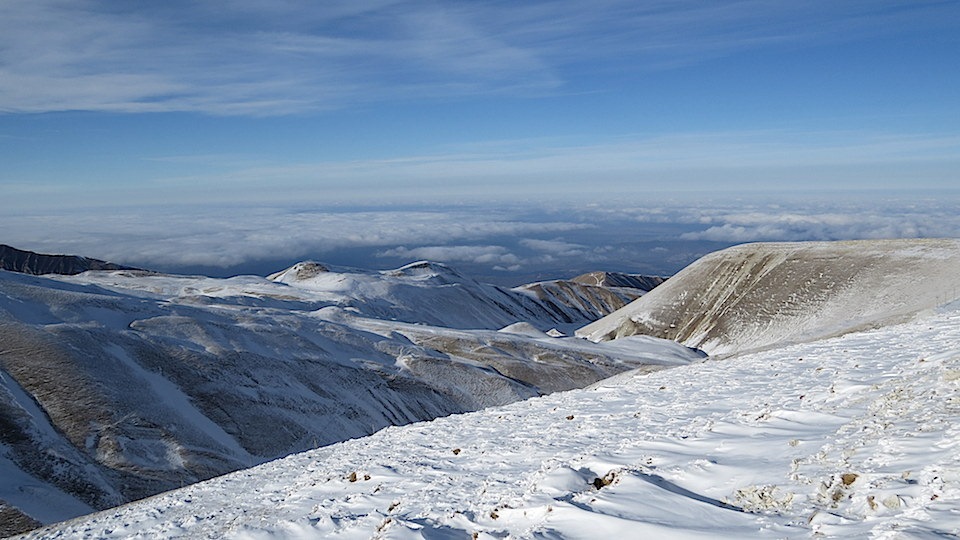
(119, 106)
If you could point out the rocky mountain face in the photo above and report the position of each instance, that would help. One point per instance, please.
(754, 296)
(116, 385)
(595, 294)
(28, 262)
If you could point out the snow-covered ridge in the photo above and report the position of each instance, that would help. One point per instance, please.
(433, 293)
(754, 296)
(849, 437)
(118, 385)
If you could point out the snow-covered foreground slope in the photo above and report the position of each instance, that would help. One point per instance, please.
(853, 436)
(754, 296)
(119, 385)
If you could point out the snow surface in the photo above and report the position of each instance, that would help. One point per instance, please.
(853, 436)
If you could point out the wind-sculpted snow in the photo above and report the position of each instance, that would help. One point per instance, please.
(849, 437)
(118, 385)
(755, 296)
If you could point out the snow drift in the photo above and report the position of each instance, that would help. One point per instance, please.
(754, 296)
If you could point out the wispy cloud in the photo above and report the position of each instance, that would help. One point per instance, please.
(737, 160)
(257, 58)
(274, 58)
(606, 170)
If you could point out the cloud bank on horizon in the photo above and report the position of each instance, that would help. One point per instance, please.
(509, 244)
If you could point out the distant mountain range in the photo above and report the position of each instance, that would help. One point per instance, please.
(28, 262)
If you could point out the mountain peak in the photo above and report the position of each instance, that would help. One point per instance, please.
(301, 271)
(426, 268)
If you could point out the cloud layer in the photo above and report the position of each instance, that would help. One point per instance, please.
(228, 236)
(655, 236)
(840, 217)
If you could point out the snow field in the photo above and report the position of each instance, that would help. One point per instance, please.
(854, 436)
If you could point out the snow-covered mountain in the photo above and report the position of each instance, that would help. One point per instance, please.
(116, 385)
(808, 435)
(850, 437)
(432, 293)
(754, 296)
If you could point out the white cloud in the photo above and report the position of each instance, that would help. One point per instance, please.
(554, 247)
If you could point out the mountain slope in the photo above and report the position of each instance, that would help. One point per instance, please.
(849, 437)
(757, 295)
(596, 293)
(620, 280)
(118, 385)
